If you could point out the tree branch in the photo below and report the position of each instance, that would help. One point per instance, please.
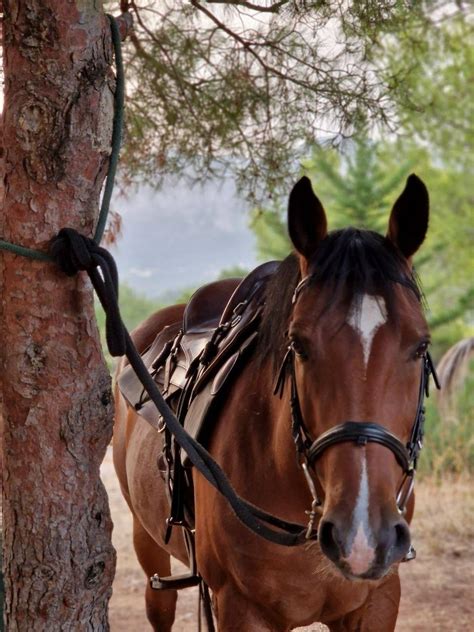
(125, 24)
(273, 8)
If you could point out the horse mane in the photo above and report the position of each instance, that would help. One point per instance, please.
(351, 262)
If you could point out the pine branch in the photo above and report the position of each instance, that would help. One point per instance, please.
(464, 304)
(273, 8)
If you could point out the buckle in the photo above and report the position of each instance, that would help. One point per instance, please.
(405, 491)
(411, 554)
(237, 313)
(315, 504)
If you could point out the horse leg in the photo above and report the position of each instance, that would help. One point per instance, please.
(378, 614)
(160, 604)
(236, 614)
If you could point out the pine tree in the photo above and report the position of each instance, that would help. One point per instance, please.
(353, 186)
(359, 187)
(358, 190)
(247, 85)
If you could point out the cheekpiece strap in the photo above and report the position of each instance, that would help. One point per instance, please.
(282, 373)
(301, 285)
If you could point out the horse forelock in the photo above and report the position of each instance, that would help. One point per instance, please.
(351, 263)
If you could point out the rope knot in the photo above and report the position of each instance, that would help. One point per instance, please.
(73, 252)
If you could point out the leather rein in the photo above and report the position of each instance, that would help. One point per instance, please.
(309, 450)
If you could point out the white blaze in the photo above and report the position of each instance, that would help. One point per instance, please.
(366, 319)
(362, 552)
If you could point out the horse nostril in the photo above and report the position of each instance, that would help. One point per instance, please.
(397, 543)
(328, 540)
(402, 538)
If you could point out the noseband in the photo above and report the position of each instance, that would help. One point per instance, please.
(309, 450)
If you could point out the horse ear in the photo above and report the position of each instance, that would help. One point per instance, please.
(408, 221)
(307, 224)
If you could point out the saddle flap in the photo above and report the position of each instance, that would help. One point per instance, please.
(128, 383)
(198, 418)
(193, 344)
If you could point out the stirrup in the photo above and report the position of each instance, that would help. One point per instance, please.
(174, 582)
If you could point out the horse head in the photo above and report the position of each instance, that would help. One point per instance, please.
(357, 343)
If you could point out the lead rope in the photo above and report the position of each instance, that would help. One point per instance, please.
(74, 252)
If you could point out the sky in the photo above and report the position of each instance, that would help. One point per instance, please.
(180, 237)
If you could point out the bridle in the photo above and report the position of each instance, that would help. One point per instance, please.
(309, 450)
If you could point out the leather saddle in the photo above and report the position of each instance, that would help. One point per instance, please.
(191, 361)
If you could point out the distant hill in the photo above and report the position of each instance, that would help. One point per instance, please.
(179, 238)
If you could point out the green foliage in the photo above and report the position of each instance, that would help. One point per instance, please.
(441, 83)
(269, 226)
(213, 86)
(358, 188)
(449, 445)
(135, 307)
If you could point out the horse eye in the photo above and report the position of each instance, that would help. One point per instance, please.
(422, 349)
(298, 348)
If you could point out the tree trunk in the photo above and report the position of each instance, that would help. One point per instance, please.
(58, 559)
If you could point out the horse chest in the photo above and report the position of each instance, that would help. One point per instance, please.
(296, 585)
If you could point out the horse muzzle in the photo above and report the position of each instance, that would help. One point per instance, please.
(361, 555)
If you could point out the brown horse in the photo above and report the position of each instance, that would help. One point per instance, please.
(358, 338)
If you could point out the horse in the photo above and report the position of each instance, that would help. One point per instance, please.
(453, 370)
(346, 309)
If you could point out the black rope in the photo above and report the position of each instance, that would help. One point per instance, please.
(74, 252)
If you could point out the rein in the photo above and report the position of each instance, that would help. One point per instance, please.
(74, 252)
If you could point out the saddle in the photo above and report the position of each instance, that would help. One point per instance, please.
(193, 360)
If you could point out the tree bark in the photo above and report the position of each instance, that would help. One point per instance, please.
(58, 559)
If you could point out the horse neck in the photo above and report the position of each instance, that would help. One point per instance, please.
(257, 445)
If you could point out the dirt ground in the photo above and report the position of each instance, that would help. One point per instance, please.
(437, 588)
